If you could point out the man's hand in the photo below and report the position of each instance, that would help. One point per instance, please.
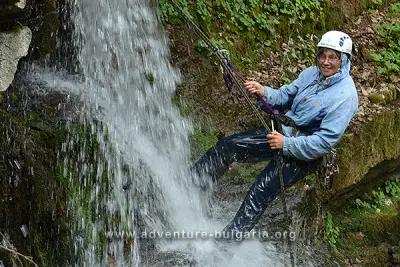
(275, 140)
(254, 87)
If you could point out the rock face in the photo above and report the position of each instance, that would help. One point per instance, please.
(13, 46)
(32, 198)
(368, 156)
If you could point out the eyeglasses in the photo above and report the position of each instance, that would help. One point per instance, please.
(331, 59)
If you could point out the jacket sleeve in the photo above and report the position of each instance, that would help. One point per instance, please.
(331, 130)
(282, 97)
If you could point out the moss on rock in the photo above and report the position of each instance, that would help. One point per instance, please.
(386, 96)
(377, 98)
(377, 141)
(31, 195)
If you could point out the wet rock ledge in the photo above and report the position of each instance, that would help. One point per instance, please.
(32, 198)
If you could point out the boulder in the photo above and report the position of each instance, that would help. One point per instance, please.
(13, 46)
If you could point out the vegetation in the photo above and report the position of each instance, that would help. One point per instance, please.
(288, 30)
(79, 178)
(378, 199)
(389, 34)
(254, 16)
(256, 22)
(366, 228)
(202, 139)
(331, 231)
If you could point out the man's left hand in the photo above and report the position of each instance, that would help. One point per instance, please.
(275, 140)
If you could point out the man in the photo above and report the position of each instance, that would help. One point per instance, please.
(321, 102)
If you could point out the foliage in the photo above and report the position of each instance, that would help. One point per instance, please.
(248, 25)
(299, 52)
(392, 189)
(394, 11)
(381, 197)
(252, 16)
(389, 33)
(332, 232)
(375, 200)
(247, 172)
(369, 222)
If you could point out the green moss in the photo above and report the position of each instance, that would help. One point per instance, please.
(80, 184)
(38, 201)
(377, 98)
(177, 100)
(391, 94)
(375, 142)
(202, 139)
(361, 230)
(386, 96)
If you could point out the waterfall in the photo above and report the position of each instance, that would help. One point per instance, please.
(128, 86)
(129, 161)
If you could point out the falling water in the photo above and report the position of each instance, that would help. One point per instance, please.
(137, 175)
(128, 86)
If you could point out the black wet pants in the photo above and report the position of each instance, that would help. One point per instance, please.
(252, 146)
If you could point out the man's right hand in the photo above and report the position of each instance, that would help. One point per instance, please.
(254, 88)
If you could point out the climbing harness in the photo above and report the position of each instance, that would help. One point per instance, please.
(233, 78)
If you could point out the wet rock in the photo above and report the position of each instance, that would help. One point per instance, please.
(28, 155)
(13, 46)
(44, 27)
(41, 16)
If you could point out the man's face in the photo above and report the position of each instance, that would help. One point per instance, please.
(328, 62)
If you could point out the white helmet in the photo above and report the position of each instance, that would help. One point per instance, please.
(336, 40)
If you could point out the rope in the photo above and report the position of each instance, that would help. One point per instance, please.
(279, 160)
